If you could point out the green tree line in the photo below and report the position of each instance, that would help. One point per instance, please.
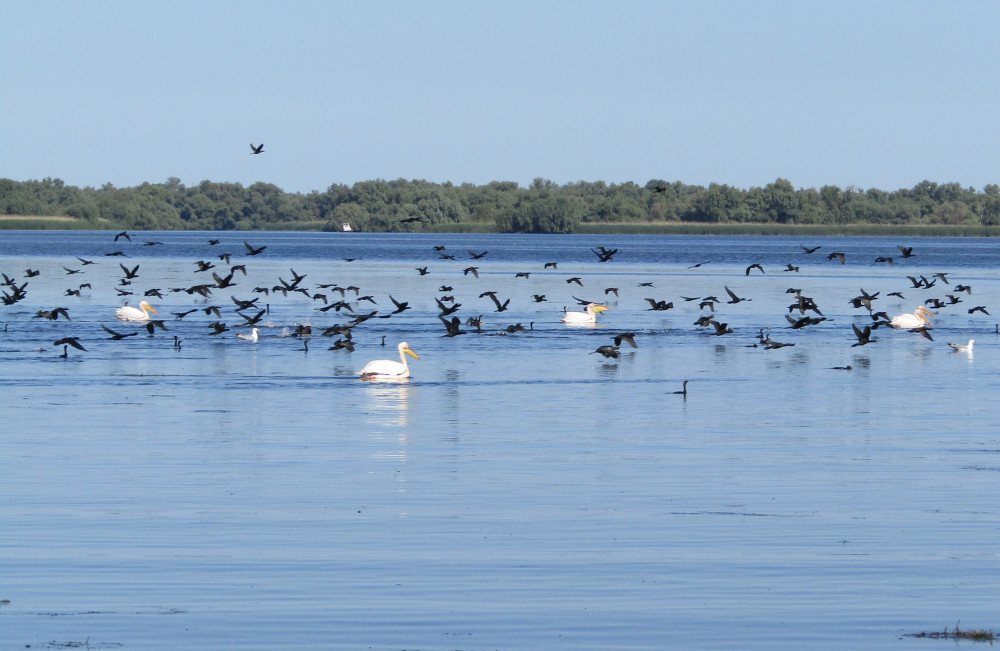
(542, 207)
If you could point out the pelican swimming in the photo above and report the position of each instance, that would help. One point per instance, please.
(141, 313)
(250, 337)
(918, 319)
(590, 316)
(387, 369)
(960, 348)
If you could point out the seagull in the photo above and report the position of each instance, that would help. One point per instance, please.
(962, 348)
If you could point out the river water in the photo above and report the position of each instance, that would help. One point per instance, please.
(519, 491)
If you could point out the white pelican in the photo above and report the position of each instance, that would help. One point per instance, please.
(590, 316)
(250, 337)
(387, 369)
(141, 313)
(959, 348)
(918, 319)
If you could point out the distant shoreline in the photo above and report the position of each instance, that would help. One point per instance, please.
(62, 222)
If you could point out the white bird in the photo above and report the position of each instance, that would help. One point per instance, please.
(250, 337)
(918, 319)
(387, 369)
(590, 316)
(959, 348)
(141, 313)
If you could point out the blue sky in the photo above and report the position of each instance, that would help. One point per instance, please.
(871, 94)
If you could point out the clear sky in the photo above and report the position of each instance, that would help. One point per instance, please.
(875, 94)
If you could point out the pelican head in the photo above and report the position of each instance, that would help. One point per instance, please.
(596, 309)
(405, 348)
(146, 306)
(923, 311)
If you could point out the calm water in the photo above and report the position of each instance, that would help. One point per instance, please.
(518, 492)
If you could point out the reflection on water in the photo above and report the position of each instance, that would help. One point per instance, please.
(388, 402)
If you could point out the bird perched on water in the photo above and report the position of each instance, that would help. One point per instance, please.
(962, 348)
(683, 391)
(141, 313)
(588, 316)
(250, 337)
(387, 369)
(919, 318)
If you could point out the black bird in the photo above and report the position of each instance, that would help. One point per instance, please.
(343, 344)
(721, 328)
(603, 254)
(123, 234)
(85, 262)
(979, 308)
(453, 326)
(810, 250)
(683, 391)
(400, 307)
(477, 256)
(71, 341)
(213, 242)
(423, 271)
(803, 321)
(258, 150)
(896, 294)
(130, 273)
(539, 297)
(501, 307)
(410, 220)
(70, 272)
(885, 259)
(611, 290)
(244, 305)
(522, 274)
(151, 326)
(517, 327)
(789, 267)
(476, 322)
(627, 337)
(222, 283)
(963, 288)
(607, 351)
(181, 315)
(575, 279)
(71, 292)
(445, 288)
(31, 273)
(203, 265)
(53, 314)
(907, 251)
(218, 327)
(554, 265)
(114, 253)
(115, 336)
(840, 256)
(659, 305)
(251, 250)
(735, 299)
(864, 336)
(471, 270)
(757, 266)
(924, 330)
(446, 310)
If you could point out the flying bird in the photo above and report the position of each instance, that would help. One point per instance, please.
(258, 149)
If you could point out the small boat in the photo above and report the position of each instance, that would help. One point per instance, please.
(346, 228)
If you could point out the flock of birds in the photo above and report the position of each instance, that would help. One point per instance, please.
(223, 274)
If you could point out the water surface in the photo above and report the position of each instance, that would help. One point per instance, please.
(518, 491)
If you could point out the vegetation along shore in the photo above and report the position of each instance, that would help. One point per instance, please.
(501, 206)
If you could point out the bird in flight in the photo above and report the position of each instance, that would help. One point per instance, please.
(257, 150)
